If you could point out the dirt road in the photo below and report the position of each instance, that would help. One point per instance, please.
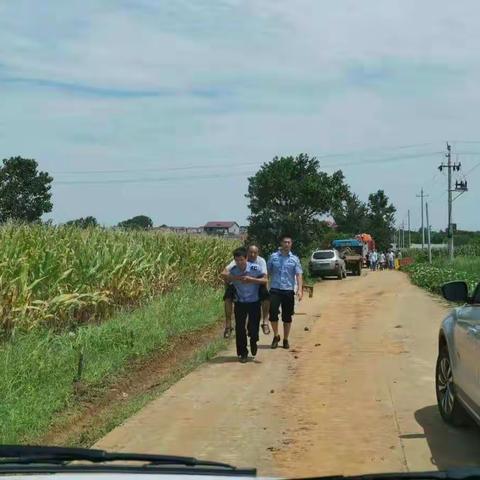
(355, 394)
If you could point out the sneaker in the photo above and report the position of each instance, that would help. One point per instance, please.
(276, 341)
(286, 345)
(253, 348)
(243, 359)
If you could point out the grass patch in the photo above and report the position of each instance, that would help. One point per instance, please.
(39, 368)
(432, 277)
(120, 412)
(307, 278)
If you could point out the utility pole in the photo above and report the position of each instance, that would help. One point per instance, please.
(409, 235)
(460, 187)
(428, 235)
(403, 234)
(422, 196)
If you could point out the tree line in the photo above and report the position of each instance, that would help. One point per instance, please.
(292, 195)
(287, 195)
(25, 195)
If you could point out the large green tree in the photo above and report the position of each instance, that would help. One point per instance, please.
(83, 222)
(289, 195)
(381, 219)
(140, 222)
(351, 215)
(24, 191)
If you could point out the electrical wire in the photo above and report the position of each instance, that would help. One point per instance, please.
(194, 167)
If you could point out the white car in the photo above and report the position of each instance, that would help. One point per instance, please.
(327, 263)
(458, 364)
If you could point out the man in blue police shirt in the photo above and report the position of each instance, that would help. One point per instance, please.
(246, 277)
(284, 269)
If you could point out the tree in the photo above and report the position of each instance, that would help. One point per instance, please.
(328, 237)
(140, 222)
(289, 195)
(24, 191)
(381, 219)
(82, 222)
(351, 215)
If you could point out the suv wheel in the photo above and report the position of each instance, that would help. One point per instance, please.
(450, 408)
(339, 273)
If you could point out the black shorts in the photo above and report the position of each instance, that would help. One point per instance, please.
(230, 292)
(284, 299)
(263, 293)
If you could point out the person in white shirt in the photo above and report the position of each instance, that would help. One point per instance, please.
(383, 261)
(229, 296)
(390, 260)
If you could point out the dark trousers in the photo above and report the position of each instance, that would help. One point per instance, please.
(284, 299)
(247, 320)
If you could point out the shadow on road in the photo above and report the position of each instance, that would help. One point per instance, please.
(450, 447)
(231, 359)
(224, 359)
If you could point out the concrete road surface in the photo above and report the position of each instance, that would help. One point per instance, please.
(355, 393)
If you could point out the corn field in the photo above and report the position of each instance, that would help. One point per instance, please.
(442, 270)
(63, 276)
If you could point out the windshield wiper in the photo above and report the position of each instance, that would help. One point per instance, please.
(469, 473)
(39, 455)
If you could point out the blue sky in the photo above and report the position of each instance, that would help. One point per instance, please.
(165, 108)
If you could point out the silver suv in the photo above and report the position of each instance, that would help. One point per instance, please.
(325, 263)
(458, 363)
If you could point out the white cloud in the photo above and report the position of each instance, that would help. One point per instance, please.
(89, 85)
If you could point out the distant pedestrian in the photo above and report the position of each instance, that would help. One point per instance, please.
(390, 260)
(373, 260)
(383, 261)
(286, 275)
(246, 278)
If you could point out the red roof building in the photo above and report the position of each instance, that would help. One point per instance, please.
(222, 228)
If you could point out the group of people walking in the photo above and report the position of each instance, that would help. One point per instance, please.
(381, 261)
(256, 290)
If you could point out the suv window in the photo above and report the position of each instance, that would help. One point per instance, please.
(323, 255)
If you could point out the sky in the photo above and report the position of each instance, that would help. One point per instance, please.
(165, 108)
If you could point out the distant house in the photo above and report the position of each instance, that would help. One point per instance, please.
(221, 228)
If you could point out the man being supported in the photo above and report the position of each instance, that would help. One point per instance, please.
(246, 278)
(229, 296)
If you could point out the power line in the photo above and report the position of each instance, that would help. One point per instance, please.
(381, 160)
(243, 164)
(156, 169)
(472, 169)
(149, 179)
(438, 177)
(379, 149)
